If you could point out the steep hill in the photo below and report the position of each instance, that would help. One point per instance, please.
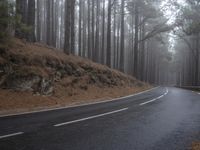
(35, 76)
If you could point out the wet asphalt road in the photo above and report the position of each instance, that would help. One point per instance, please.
(160, 119)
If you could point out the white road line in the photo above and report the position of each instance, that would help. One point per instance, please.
(87, 104)
(167, 91)
(91, 117)
(10, 135)
(196, 92)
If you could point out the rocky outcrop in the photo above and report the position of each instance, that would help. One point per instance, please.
(20, 79)
(26, 69)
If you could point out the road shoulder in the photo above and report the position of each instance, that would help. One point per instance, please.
(20, 111)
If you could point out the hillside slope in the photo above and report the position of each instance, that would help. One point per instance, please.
(35, 76)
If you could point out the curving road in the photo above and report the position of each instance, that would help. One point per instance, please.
(159, 119)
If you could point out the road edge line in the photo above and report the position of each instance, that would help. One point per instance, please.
(74, 106)
(10, 135)
(155, 99)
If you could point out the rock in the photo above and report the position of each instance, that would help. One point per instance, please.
(87, 67)
(22, 83)
(68, 69)
(29, 82)
(93, 79)
(46, 87)
(78, 72)
(6, 68)
(57, 76)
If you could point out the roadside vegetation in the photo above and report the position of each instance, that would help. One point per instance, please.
(34, 75)
(195, 146)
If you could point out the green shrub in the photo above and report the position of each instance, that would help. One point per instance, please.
(6, 22)
(22, 30)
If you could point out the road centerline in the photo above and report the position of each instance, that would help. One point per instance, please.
(155, 99)
(91, 117)
(10, 135)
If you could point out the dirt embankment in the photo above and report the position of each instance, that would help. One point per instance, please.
(195, 146)
(36, 76)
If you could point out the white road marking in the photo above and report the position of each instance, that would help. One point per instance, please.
(196, 92)
(155, 99)
(91, 117)
(10, 135)
(87, 104)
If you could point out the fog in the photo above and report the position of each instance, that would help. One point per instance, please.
(156, 41)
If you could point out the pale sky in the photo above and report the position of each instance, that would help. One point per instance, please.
(170, 13)
(169, 10)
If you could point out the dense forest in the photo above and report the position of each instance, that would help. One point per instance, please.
(133, 36)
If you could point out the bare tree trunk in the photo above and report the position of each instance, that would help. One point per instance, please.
(103, 35)
(136, 40)
(93, 34)
(80, 29)
(97, 32)
(84, 30)
(49, 22)
(72, 42)
(69, 26)
(122, 38)
(118, 45)
(197, 62)
(142, 60)
(89, 32)
(31, 20)
(38, 20)
(114, 36)
(108, 57)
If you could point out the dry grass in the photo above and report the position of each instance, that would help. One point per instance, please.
(195, 146)
(15, 101)
(44, 61)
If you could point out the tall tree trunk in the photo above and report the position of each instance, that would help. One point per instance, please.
(89, 32)
(67, 26)
(114, 36)
(103, 35)
(108, 57)
(122, 38)
(49, 22)
(93, 34)
(84, 30)
(72, 30)
(80, 29)
(69, 29)
(31, 20)
(38, 20)
(136, 40)
(97, 32)
(142, 60)
(197, 62)
(118, 44)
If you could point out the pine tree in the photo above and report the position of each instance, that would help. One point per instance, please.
(6, 22)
